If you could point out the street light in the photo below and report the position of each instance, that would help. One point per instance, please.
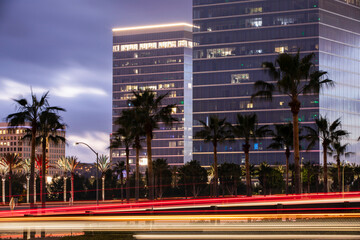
(97, 164)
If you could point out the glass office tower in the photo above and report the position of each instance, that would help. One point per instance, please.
(157, 58)
(234, 37)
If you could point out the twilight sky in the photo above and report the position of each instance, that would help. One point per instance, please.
(66, 47)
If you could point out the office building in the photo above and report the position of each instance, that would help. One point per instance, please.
(234, 37)
(12, 141)
(158, 58)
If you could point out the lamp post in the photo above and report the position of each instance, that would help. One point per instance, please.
(97, 164)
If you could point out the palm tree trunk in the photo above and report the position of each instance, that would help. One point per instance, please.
(246, 148)
(339, 172)
(150, 166)
(10, 176)
(264, 193)
(32, 164)
(325, 147)
(72, 188)
(64, 188)
(216, 177)
(103, 187)
(121, 187)
(137, 175)
(235, 184)
(309, 179)
(295, 108)
(287, 153)
(43, 172)
(3, 179)
(127, 174)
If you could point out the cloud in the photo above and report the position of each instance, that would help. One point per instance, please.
(99, 141)
(12, 89)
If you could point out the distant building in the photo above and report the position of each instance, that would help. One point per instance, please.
(157, 58)
(11, 141)
(87, 170)
(234, 37)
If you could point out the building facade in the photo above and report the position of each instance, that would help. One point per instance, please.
(234, 37)
(12, 141)
(157, 58)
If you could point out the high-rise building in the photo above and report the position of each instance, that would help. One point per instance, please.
(12, 141)
(158, 58)
(234, 37)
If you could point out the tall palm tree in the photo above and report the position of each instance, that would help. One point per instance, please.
(104, 165)
(328, 133)
(338, 150)
(247, 128)
(119, 167)
(151, 111)
(215, 131)
(48, 129)
(129, 130)
(293, 76)
(283, 138)
(29, 112)
(12, 161)
(72, 164)
(62, 164)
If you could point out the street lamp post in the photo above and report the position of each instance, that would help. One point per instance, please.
(97, 164)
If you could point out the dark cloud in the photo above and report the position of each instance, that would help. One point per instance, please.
(66, 45)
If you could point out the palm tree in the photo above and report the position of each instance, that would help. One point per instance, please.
(337, 150)
(283, 138)
(293, 77)
(104, 165)
(328, 133)
(215, 131)
(48, 129)
(39, 166)
(11, 161)
(72, 164)
(62, 164)
(151, 111)
(128, 135)
(248, 129)
(119, 167)
(29, 112)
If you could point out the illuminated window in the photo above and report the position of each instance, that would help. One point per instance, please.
(238, 78)
(172, 94)
(116, 48)
(167, 44)
(136, 55)
(131, 88)
(254, 10)
(281, 49)
(172, 144)
(182, 43)
(281, 103)
(173, 110)
(148, 46)
(250, 105)
(254, 22)
(284, 20)
(129, 47)
(220, 52)
(136, 71)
